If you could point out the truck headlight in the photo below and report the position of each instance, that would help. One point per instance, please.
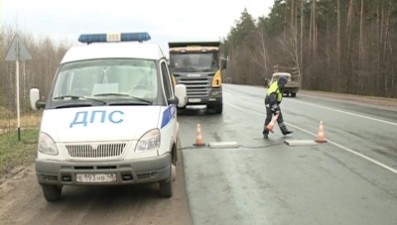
(215, 93)
(47, 145)
(149, 141)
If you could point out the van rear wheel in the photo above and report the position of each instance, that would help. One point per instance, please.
(173, 172)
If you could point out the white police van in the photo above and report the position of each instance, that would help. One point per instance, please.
(110, 116)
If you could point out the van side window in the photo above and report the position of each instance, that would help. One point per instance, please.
(167, 81)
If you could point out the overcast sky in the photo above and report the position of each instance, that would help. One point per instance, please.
(164, 20)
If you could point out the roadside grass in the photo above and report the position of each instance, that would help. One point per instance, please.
(8, 122)
(14, 153)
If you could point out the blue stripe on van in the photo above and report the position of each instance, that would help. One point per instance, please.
(168, 114)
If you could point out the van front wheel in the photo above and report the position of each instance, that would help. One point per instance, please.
(166, 186)
(51, 193)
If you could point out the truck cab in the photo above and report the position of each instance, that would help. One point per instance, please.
(110, 116)
(294, 79)
(199, 66)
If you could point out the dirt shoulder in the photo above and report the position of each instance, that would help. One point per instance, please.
(16, 155)
(23, 203)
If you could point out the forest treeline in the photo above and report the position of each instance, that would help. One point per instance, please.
(346, 46)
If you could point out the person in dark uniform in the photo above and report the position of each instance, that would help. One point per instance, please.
(274, 96)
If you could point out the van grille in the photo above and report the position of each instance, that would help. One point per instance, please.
(96, 151)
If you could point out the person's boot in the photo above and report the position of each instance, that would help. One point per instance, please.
(285, 131)
(265, 133)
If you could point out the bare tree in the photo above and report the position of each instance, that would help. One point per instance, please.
(262, 59)
(37, 72)
(313, 29)
(338, 37)
(291, 46)
(302, 6)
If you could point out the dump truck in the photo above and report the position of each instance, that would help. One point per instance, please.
(294, 78)
(198, 65)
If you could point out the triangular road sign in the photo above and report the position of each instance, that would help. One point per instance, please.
(18, 50)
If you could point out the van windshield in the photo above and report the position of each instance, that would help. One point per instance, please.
(104, 78)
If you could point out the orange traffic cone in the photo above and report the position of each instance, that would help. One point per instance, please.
(199, 138)
(272, 123)
(320, 136)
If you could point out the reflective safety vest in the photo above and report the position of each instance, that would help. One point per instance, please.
(274, 88)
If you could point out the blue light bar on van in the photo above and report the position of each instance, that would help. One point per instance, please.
(114, 37)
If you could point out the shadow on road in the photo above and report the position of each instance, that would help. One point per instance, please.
(107, 194)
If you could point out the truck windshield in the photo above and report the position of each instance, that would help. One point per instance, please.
(193, 61)
(103, 78)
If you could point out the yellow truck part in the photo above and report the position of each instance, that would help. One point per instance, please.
(199, 66)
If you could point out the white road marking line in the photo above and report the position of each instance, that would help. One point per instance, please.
(329, 141)
(349, 150)
(348, 113)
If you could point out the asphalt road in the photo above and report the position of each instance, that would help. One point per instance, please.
(351, 179)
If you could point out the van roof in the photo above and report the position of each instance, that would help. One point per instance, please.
(143, 50)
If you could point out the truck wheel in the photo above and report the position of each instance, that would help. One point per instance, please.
(166, 186)
(215, 108)
(293, 95)
(51, 193)
(218, 108)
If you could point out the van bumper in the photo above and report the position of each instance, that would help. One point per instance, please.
(135, 171)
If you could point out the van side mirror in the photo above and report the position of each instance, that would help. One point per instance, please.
(173, 101)
(181, 94)
(35, 104)
(223, 64)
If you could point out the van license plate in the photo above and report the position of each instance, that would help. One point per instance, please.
(194, 100)
(96, 178)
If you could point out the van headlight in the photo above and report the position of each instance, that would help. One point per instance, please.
(149, 141)
(47, 145)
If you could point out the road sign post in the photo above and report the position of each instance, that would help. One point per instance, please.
(18, 51)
